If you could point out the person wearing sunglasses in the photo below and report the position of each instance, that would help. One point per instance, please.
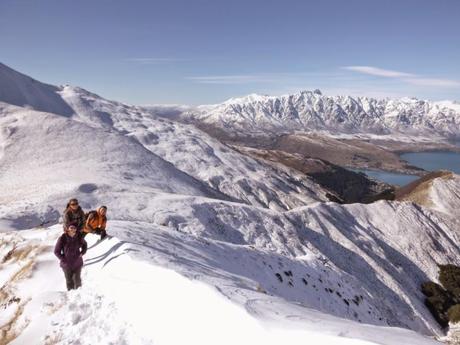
(69, 249)
(73, 214)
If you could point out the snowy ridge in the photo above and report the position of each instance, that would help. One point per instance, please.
(151, 304)
(263, 236)
(21, 90)
(441, 187)
(43, 163)
(187, 148)
(353, 250)
(199, 155)
(309, 110)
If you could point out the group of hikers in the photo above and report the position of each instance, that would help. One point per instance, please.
(71, 245)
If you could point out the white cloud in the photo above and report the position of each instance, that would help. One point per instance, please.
(410, 78)
(380, 72)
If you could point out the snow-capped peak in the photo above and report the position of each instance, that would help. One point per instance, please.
(21, 90)
(253, 97)
(311, 110)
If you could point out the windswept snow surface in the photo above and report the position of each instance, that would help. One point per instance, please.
(21, 90)
(127, 300)
(46, 157)
(183, 206)
(190, 150)
(284, 269)
(193, 151)
(439, 192)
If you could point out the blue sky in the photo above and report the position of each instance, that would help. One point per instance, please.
(197, 52)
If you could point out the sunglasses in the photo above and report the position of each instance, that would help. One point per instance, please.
(74, 204)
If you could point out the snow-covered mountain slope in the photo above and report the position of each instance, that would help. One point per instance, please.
(308, 111)
(432, 190)
(454, 105)
(198, 154)
(363, 262)
(21, 90)
(174, 200)
(126, 300)
(187, 148)
(45, 157)
(360, 262)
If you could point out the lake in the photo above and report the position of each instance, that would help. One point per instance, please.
(429, 161)
(388, 177)
(434, 160)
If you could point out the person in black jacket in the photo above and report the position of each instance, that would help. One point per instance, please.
(73, 215)
(69, 249)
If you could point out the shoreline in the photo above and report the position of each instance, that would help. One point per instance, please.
(435, 150)
(350, 152)
(399, 148)
(422, 173)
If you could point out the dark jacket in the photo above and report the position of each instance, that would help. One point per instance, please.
(70, 250)
(76, 218)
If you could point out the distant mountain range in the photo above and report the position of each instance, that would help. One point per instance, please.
(247, 221)
(311, 110)
(303, 111)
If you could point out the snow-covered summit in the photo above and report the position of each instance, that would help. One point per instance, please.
(253, 97)
(21, 90)
(311, 110)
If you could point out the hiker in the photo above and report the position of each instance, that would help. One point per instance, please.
(70, 248)
(96, 222)
(73, 215)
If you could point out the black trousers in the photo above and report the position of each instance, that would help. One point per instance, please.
(72, 278)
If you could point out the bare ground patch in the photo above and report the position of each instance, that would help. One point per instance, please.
(15, 251)
(419, 190)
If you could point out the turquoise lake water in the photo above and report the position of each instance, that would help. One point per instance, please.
(392, 178)
(434, 160)
(429, 161)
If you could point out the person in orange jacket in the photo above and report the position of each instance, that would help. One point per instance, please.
(96, 222)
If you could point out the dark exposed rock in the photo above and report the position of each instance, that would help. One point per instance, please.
(454, 313)
(438, 306)
(443, 301)
(280, 278)
(449, 277)
(430, 289)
